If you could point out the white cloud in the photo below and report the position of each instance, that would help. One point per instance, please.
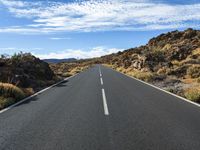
(60, 38)
(7, 48)
(101, 15)
(12, 50)
(79, 53)
(11, 3)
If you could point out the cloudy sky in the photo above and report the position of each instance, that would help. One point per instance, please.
(89, 28)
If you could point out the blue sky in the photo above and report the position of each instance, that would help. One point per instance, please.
(83, 29)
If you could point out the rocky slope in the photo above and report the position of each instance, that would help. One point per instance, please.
(25, 70)
(171, 61)
(22, 75)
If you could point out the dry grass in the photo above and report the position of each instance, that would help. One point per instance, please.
(176, 63)
(167, 47)
(121, 69)
(10, 90)
(28, 91)
(198, 80)
(193, 94)
(9, 94)
(68, 69)
(194, 71)
(77, 70)
(196, 52)
(162, 71)
(66, 74)
(145, 76)
(108, 65)
(188, 80)
(5, 102)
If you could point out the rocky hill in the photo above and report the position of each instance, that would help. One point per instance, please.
(22, 75)
(25, 70)
(171, 61)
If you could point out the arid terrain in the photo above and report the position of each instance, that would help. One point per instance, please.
(22, 75)
(170, 61)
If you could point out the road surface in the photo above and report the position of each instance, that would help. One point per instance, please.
(101, 109)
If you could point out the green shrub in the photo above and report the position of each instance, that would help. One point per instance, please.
(193, 94)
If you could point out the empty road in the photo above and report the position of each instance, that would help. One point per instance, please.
(101, 109)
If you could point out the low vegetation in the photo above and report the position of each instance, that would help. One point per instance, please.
(193, 94)
(145, 76)
(10, 94)
(170, 61)
(194, 71)
(65, 69)
(21, 75)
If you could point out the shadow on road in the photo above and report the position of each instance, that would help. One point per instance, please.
(63, 84)
(33, 99)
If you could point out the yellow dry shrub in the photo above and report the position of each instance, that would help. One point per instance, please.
(9, 94)
(193, 94)
(162, 71)
(196, 52)
(145, 76)
(176, 63)
(10, 90)
(4, 102)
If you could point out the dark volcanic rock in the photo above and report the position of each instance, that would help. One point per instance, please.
(25, 70)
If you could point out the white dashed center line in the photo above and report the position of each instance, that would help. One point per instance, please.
(105, 103)
(101, 81)
(100, 72)
(105, 106)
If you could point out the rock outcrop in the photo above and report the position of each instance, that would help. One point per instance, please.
(175, 51)
(25, 70)
(171, 61)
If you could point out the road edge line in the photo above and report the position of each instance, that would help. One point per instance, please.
(186, 100)
(35, 94)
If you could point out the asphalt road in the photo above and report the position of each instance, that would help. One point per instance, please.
(112, 113)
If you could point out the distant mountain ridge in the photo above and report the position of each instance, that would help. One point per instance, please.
(60, 60)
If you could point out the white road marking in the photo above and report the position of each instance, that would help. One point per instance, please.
(100, 72)
(105, 103)
(27, 98)
(101, 81)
